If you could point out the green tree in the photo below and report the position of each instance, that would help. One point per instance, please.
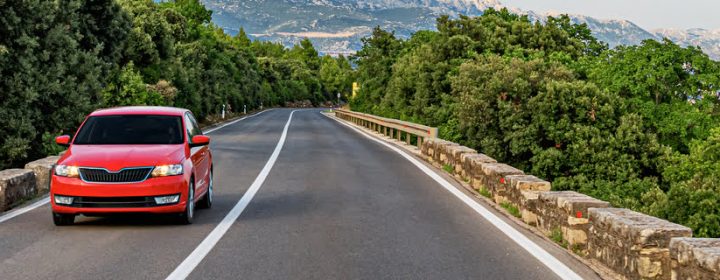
(129, 89)
(694, 195)
(54, 59)
(375, 62)
(335, 77)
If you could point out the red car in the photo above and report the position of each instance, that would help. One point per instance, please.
(133, 160)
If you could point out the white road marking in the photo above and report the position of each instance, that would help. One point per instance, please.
(235, 121)
(197, 255)
(28, 208)
(536, 251)
(20, 211)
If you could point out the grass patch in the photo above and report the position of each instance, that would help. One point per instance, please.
(578, 250)
(484, 192)
(556, 235)
(448, 168)
(511, 209)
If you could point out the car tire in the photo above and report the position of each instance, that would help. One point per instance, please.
(188, 215)
(207, 200)
(63, 219)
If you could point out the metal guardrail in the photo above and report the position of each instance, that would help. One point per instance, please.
(400, 130)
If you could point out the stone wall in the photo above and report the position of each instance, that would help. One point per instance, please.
(634, 245)
(454, 157)
(42, 168)
(695, 258)
(434, 149)
(472, 168)
(17, 185)
(567, 212)
(524, 192)
(493, 179)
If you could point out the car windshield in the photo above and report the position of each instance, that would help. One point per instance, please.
(131, 129)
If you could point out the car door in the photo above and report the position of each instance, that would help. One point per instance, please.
(200, 156)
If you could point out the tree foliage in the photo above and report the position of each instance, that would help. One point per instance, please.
(634, 125)
(62, 59)
(54, 60)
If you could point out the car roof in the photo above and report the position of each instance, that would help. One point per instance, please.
(140, 110)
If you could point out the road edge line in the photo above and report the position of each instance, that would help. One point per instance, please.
(560, 269)
(193, 260)
(19, 211)
(235, 121)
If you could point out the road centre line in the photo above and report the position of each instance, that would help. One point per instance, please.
(188, 265)
(536, 251)
(19, 211)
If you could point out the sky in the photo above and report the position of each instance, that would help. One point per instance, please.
(649, 14)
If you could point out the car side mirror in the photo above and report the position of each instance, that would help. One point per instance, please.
(199, 140)
(63, 140)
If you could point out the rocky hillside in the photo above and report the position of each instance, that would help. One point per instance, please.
(336, 26)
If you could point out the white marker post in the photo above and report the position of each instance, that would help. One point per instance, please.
(223, 112)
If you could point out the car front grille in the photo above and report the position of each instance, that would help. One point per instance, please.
(127, 175)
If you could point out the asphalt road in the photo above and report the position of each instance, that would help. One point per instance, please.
(335, 205)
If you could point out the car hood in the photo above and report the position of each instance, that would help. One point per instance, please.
(116, 157)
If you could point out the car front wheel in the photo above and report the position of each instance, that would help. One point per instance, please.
(187, 216)
(63, 219)
(207, 200)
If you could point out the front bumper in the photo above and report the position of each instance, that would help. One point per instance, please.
(99, 198)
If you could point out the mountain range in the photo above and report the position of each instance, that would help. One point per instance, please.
(336, 26)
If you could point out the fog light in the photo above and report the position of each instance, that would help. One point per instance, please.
(160, 200)
(64, 200)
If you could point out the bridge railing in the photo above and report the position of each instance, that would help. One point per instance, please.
(412, 133)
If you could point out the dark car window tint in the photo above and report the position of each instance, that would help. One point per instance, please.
(131, 129)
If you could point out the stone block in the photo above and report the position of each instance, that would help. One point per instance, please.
(695, 258)
(433, 149)
(426, 149)
(42, 169)
(15, 186)
(472, 167)
(527, 183)
(632, 244)
(565, 211)
(572, 204)
(443, 152)
(494, 179)
(454, 157)
(517, 184)
(528, 206)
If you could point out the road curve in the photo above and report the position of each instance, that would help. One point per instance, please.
(335, 205)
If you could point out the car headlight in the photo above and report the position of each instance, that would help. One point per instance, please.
(64, 200)
(67, 171)
(160, 200)
(167, 170)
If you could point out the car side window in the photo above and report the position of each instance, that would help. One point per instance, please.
(192, 127)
